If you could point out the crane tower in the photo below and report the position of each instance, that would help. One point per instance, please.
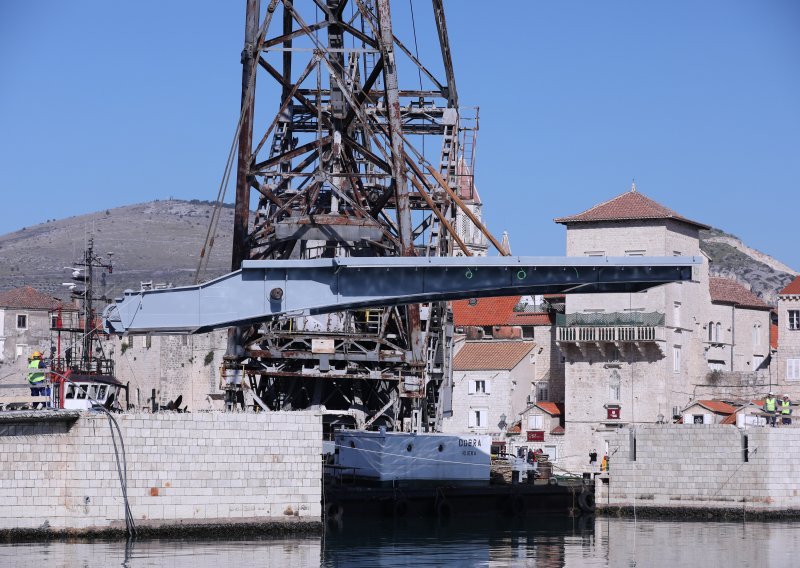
(334, 162)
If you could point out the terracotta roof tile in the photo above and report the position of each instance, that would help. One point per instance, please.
(629, 206)
(515, 429)
(486, 311)
(729, 291)
(730, 419)
(495, 311)
(491, 355)
(717, 406)
(773, 335)
(28, 298)
(530, 318)
(550, 408)
(793, 288)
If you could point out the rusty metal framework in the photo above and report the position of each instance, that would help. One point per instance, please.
(337, 170)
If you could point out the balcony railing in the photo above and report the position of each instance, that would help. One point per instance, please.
(614, 319)
(609, 334)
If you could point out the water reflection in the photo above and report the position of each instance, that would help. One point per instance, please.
(543, 542)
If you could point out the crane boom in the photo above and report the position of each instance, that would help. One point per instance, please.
(264, 289)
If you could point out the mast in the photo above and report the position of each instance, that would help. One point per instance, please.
(86, 297)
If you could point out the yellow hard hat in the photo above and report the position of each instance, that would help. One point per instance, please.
(36, 355)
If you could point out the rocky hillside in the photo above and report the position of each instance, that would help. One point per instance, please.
(158, 241)
(731, 258)
(161, 241)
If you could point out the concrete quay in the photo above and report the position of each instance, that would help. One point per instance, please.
(187, 473)
(677, 470)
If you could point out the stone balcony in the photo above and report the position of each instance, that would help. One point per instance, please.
(603, 329)
(610, 334)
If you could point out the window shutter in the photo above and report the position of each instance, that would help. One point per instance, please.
(484, 418)
(708, 419)
(471, 387)
(472, 418)
(488, 387)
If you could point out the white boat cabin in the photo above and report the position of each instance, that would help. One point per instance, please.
(85, 391)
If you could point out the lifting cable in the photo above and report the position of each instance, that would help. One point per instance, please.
(208, 244)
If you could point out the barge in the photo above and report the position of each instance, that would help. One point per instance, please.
(398, 474)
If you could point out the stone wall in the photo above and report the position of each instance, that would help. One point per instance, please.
(703, 466)
(181, 468)
(174, 365)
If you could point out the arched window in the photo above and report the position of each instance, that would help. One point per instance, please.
(711, 331)
(757, 334)
(719, 332)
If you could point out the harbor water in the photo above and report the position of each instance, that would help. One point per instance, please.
(544, 542)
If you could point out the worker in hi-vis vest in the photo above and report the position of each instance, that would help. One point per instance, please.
(786, 409)
(36, 377)
(770, 405)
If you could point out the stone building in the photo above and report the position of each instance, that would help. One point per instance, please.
(26, 316)
(490, 381)
(736, 335)
(540, 428)
(642, 357)
(788, 340)
(517, 318)
(707, 412)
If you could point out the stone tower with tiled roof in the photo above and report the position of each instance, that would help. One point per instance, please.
(629, 206)
(634, 357)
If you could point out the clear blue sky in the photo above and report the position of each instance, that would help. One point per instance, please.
(110, 103)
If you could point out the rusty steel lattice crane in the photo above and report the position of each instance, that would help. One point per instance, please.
(338, 172)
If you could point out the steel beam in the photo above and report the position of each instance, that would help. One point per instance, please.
(241, 213)
(264, 289)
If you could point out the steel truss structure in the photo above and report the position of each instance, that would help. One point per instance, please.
(337, 172)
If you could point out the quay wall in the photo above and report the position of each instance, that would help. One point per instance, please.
(704, 467)
(182, 468)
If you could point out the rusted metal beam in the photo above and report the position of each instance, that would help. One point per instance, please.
(461, 205)
(278, 77)
(395, 124)
(242, 207)
(440, 216)
(293, 34)
(307, 147)
(447, 58)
